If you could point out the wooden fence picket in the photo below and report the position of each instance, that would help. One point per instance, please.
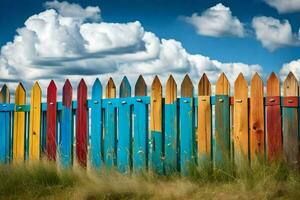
(290, 120)
(51, 121)
(124, 147)
(204, 122)
(66, 139)
(110, 136)
(221, 138)
(171, 127)
(257, 132)
(81, 124)
(157, 143)
(5, 128)
(241, 135)
(273, 119)
(140, 117)
(96, 154)
(19, 125)
(35, 123)
(187, 126)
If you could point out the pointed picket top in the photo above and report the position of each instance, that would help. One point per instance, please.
(110, 91)
(204, 86)
(222, 85)
(97, 87)
(257, 86)
(5, 94)
(240, 82)
(67, 94)
(187, 88)
(20, 96)
(52, 87)
(273, 85)
(290, 85)
(171, 90)
(125, 88)
(140, 87)
(156, 105)
(36, 89)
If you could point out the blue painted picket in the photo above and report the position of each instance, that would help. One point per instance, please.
(96, 125)
(140, 118)
(66, 137)
(124, 146)
(110, 136)
(5, 127)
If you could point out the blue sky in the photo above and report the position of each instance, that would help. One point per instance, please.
(168, 20)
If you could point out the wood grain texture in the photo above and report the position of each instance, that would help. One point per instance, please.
(35, 123)
(81, 124)
(156, 126)
(124, 146)
(257, 132)
(273, 121)
(5, 127)
(66, 138)
(19, 125)
(171, 126)
(222, 85)
(110, 91)
(140, 117)
(51, 121)
(187, 126)
(171, 90)
(241, 138)
(204, 121)
(290, 123)
(221, 139)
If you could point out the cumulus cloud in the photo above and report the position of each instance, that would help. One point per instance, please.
(273, 33)
(293, 66)
(54, 44)
(217, 21)
(285, 6)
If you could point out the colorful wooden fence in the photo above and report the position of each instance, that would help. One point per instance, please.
(165, 134)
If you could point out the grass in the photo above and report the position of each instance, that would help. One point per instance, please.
(46, 181)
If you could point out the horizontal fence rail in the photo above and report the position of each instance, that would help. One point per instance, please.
(165, 134)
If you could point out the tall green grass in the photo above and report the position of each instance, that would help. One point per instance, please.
(46, 181)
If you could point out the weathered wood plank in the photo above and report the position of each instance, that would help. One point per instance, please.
(187, 126)
(19, 126)
(140, 115)
(171, 126)
(273, 122)
(96, 155)
(51, 121)
(257, 132)
(5, 133)
(35, 123)
(156, 126)
(66, 141)
(124, 147)
(221, 138)
(290, 121)
(81, 124)
(110, 137)
(204, 121)
(241, 136)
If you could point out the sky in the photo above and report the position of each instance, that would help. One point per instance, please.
(44, 40)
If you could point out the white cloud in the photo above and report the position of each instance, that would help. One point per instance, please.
(74, 10)
(285, 6)
(54, 46)
(293, 66)
(217, 21)
(273, 33)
